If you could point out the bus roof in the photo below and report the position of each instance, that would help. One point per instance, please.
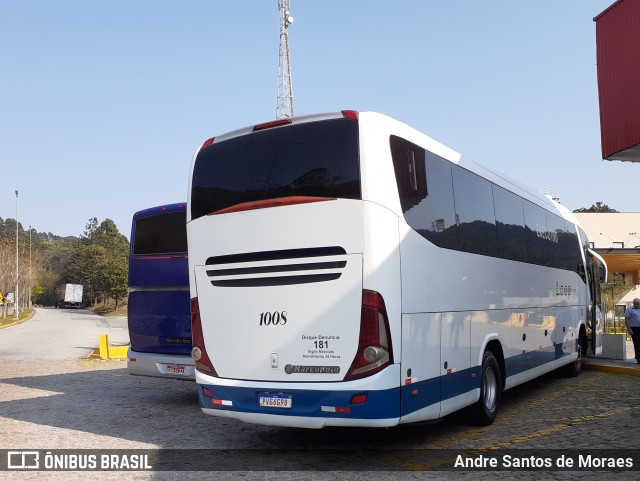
(160, 209)
(421, 139)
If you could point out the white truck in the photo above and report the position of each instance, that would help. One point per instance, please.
(69, 295)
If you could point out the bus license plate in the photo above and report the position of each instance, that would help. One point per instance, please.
(175, 369)
(275, 401)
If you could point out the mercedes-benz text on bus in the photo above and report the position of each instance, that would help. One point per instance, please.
(347, 270)
(158, 311)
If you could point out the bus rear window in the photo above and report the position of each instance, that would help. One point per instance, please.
(315, 159)
(160, 234)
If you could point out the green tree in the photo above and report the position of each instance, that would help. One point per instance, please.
(615, 288)
(100, 262)
(114, 264)
(44, 288)
(82, 268)
(114, 275)
(598, 207)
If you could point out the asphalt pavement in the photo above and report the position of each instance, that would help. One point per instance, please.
(61, 334)
(75, 403)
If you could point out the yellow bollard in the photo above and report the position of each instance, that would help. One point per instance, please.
(104, 346)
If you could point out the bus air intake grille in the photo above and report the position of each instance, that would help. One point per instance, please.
(277, 268)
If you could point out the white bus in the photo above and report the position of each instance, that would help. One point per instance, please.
(347, 270)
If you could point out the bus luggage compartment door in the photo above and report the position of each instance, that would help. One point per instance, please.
(299, 325)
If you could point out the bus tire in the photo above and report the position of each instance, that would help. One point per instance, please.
(574, 368)
(484, 412)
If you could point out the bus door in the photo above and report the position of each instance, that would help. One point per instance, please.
(596, 274)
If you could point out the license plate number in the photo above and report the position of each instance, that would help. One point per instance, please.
(177, 369)
(276, 401)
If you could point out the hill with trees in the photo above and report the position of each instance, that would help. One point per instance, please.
(98, 260)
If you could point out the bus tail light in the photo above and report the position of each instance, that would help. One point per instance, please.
(269, 125)
(358, 399)
(374, 347)
(198, 351)
(350, 114)
(207, 143)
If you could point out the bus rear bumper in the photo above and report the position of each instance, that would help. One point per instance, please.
(302, 421)
(160, 365)
(372, 402)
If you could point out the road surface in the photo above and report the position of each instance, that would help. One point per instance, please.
(60, 334)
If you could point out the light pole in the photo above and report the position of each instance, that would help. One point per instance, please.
(30, 267)
(16, 302)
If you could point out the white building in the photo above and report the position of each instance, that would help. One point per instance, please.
(616, 237)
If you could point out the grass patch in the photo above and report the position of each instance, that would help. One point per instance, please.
(110, 311)
(10, 320)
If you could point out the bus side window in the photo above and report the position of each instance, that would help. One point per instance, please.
(427, 205)
(537, 235)
(475, 213)
(581, 272)
(510, 225)
(408, 163)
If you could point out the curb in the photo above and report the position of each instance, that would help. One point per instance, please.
(14, 323)
(105, 351)
(630, 370)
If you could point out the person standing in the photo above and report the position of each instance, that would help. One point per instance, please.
(632, 319)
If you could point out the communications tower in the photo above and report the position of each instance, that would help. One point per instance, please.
(284, 102)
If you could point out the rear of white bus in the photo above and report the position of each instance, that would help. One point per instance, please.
(294, 277)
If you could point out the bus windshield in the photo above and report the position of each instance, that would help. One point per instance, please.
(317, 159)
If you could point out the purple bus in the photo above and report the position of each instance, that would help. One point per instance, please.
(158, 314)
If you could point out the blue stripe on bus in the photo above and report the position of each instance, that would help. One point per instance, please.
(418, 395)
(383, 404)
(532, 359)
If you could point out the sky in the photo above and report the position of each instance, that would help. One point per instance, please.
(103, 103)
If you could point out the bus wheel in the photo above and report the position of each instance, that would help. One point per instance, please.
(575, 368)
(485, 410)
